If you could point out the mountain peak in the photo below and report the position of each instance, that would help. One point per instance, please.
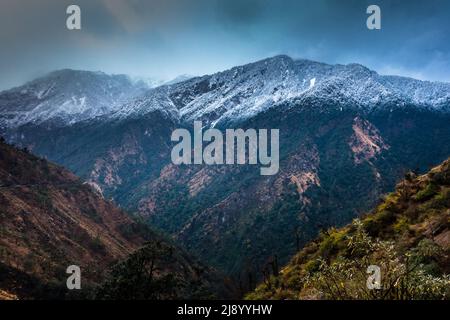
(243, 91)
(66, 96)
(280, 58)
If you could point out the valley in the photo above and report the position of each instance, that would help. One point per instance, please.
(345, 139)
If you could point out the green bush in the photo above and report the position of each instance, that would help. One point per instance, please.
(430, 190)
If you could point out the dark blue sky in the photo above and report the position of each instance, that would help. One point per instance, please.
(165, 38)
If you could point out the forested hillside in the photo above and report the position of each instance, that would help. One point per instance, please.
(407, 236)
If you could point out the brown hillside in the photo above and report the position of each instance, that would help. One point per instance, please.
(49, 220)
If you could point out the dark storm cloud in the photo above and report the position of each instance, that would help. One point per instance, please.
(164, 38)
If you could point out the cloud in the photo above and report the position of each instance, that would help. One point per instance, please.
(170, 37)
(125, 14)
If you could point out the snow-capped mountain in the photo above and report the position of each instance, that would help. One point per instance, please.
(67, 96)
(244, 91)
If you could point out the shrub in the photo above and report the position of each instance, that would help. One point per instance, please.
(312, 265)
(401, 225)
(430, 190)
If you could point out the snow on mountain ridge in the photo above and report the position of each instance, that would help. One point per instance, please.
(66, 96)
(154, 99)
(238, 93)
(244, 91)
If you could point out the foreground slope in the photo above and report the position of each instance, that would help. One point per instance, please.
(50, 219)
(407, 236)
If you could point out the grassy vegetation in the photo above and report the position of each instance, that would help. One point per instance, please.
(407, 236)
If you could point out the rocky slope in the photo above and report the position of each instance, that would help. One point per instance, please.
(50, 219)
(407, 236)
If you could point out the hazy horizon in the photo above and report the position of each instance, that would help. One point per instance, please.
(164, 80)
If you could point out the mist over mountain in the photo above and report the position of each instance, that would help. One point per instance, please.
(347, 134)
(65, 97)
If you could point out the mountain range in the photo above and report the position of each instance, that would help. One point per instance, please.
(232, 95)
(347, 135)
